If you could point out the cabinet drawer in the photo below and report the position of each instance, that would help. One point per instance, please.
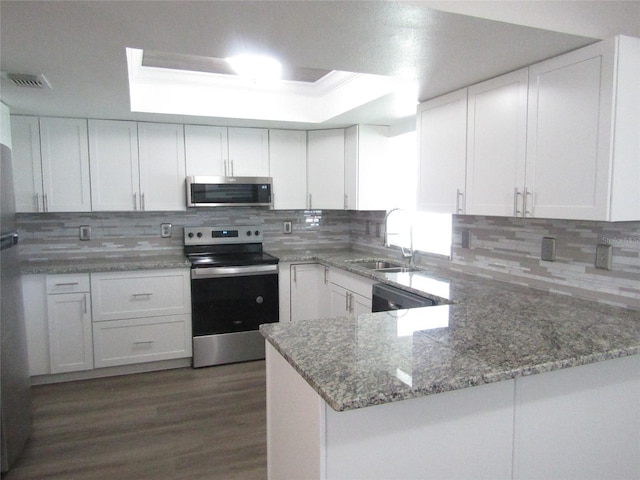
(122, 342)
(120, 295)
(67, 283)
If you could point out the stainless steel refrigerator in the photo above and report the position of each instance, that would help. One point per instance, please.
(15, 388)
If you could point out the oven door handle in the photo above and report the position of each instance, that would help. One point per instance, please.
(243, 271)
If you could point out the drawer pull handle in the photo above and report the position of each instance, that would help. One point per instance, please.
(141, 294)
(145, 342)
(68, 284)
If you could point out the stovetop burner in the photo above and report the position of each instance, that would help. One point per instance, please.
(225, 246)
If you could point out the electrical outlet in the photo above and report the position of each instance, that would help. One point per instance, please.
(548, 249)
(286, 227)
(603, 256)
(465, 240)
(165, 230)
(85, 232)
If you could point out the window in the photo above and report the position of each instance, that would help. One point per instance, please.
(431, 231)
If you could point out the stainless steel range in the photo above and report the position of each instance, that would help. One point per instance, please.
(234, 289)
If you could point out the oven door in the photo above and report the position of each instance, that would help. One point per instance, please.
(233, 299)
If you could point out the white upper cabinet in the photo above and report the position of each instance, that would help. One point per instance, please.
(496, 145)
(288, 168)
(27, 163)
(206, 150)
(162, 166)
(248, 152)
(369, 173)
(113, 153)
(441, 125)
(582, 137)
(65, 165)
(325, 169)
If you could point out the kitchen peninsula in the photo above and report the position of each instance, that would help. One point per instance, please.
(503, 382)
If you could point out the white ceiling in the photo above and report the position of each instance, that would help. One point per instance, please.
(80, 45)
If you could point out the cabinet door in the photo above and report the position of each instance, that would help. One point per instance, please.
(70, 337)
(113, 153)
(369, 174)
(496, 145)
(288, 168)
(34, 296)
(249, 152)
(442, 139)
(325, 169)
(27, 163)
(162, 166)
(206, 150)
(65, 164)
(339, 300)
(308, 291)
(569, 135)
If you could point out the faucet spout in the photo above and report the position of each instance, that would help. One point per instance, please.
(387, 243)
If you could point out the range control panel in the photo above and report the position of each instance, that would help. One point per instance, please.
(220, 235)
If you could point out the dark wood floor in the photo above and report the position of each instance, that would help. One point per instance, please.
(178, 424)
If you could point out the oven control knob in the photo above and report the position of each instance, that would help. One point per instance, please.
(259, 299)
(257, 232)
(190, 235)
(199, 234)
(248, 233)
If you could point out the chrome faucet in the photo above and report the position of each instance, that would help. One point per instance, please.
(405, 254)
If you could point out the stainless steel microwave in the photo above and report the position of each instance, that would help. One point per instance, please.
(229, 192)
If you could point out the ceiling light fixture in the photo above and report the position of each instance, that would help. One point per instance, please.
(256, 67)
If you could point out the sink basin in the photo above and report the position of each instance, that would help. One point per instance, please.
(377, 265)
(396, 269)
(384, 266)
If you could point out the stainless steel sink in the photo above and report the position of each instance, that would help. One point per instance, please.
(384, 266)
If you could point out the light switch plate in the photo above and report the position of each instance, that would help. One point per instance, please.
(85, 232)
(165, 230)
(548, 249)
(286, 227)
(603, 256)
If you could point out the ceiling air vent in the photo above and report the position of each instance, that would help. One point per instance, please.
(30, 81)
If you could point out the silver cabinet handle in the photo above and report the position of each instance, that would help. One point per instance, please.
(346, 201)
(144, 342)
(142, 206)
(527, 196)
(231, 168)
(326, 275)
(135, 201)
(459, 195)
(516, 210)
(295, 276)
(45, 203)
(67, 284)
(38, 203)
(141, 294)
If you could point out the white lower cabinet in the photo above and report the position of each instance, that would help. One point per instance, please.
(349, 293)
(309, 291)
(141, 316)
(34, 294)
(69, 323)
(121, 342)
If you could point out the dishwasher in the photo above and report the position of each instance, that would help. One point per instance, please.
(386, 298)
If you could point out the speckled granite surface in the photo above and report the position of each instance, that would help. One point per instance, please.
(490, 331)
(105, 264)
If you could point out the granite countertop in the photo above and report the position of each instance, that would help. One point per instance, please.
(104, 264)
(484, 331)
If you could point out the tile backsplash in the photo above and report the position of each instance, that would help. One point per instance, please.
(502, 248)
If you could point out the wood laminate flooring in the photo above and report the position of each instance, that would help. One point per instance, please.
(207, 423)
